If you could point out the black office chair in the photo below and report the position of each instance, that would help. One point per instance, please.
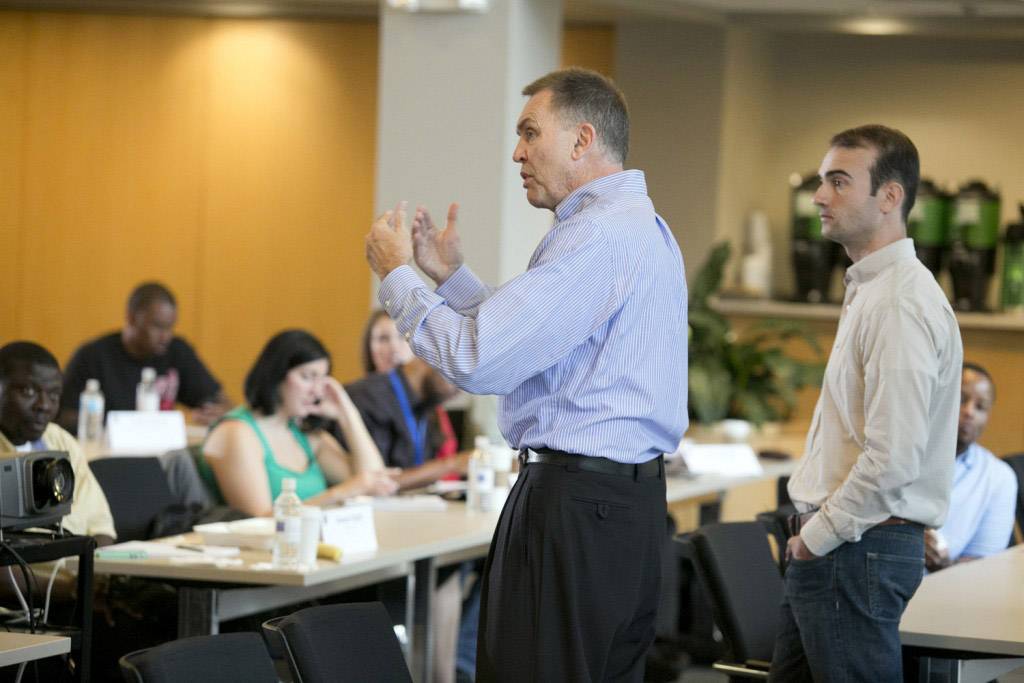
(734, 561)
(137, 492)
(339, 643)
(1016, 461)
(227, 658)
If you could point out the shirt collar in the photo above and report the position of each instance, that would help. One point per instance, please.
(969, 456)
(626, 181)
(874, 263)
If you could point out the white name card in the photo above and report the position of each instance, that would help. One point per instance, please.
(734, 460)
(130, 432)
(350, 527)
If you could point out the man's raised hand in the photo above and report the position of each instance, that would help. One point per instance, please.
(438, 252)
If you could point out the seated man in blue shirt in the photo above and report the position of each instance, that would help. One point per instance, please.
(984, 495)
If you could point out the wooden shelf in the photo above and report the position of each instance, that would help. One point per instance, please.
(767, 308)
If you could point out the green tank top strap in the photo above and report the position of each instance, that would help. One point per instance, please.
(308, 483)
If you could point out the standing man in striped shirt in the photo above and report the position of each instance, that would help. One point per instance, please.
(587, 349)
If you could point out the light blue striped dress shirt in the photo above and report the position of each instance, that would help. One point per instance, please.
(587, 348)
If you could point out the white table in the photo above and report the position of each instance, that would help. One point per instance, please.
(17, 648)
(972, 614)
(412, 546)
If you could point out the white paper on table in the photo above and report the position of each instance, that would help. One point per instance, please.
(734, 460)
(407, 503)
(256, 533)
(132, 432)
(350, 527)
(146, 549)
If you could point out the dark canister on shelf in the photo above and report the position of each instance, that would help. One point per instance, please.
(814, 257)
(974, 235)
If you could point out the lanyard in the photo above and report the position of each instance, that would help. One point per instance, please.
(417, 430)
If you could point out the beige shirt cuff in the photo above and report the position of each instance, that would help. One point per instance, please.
(818, 536)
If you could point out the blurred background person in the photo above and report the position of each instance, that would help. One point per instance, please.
(146, 340)
(984, 498)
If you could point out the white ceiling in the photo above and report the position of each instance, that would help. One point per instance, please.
(774, 14)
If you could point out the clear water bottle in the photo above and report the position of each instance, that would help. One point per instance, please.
(90, 414)
(146, 396)
(480, 489)
(287, 526)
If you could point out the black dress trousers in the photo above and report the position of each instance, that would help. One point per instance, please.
(572, 578)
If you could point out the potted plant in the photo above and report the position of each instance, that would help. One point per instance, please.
(748, 378)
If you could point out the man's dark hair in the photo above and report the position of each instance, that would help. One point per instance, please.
(367, 357)
(984, 373)
(15, 353)
(582, 95)
(897, 159)
(148, 293)
(284, 351)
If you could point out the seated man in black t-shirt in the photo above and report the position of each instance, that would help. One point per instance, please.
(146, 340)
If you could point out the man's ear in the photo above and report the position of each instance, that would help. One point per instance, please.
(586, 137)
(890, 196)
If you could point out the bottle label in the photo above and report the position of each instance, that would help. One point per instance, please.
(289, 529)
(484, 479)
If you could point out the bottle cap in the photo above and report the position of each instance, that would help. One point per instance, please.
(482, 442)
(148, 374)
(288, 484)
(92, 385)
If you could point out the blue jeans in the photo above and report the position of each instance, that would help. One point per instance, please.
(841, 612)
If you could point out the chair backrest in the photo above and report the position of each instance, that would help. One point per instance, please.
(782, 492)
(227, 658)
(735, 563)
(137, 492)
(1016, 461)
(339, 643)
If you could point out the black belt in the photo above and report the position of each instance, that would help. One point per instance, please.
(546, 456)
(797, 521)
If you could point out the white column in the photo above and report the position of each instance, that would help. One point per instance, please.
(449, 89)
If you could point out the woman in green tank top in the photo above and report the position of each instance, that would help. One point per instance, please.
(290, 394)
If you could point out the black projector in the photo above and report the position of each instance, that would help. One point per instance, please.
(35, 489)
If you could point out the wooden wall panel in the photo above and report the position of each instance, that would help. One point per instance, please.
(590, 46)
(291, 158)
(231, 159)
(13, 85)
(114, 137)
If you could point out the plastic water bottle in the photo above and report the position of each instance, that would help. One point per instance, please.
(146, 396)
(287, 526)
(480, 489)
(90, 414)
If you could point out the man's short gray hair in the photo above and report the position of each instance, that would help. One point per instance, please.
(585, 96)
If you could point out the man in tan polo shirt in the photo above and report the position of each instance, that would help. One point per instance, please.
(877, 468)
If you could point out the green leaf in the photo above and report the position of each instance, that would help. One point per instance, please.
(710, 389)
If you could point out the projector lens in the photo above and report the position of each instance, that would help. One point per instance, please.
(53, 482)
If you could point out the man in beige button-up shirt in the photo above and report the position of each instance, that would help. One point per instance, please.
(879, 456)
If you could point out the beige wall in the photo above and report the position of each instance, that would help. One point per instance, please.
(959, 100)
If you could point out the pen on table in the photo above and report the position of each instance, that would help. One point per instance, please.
(186, 546)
